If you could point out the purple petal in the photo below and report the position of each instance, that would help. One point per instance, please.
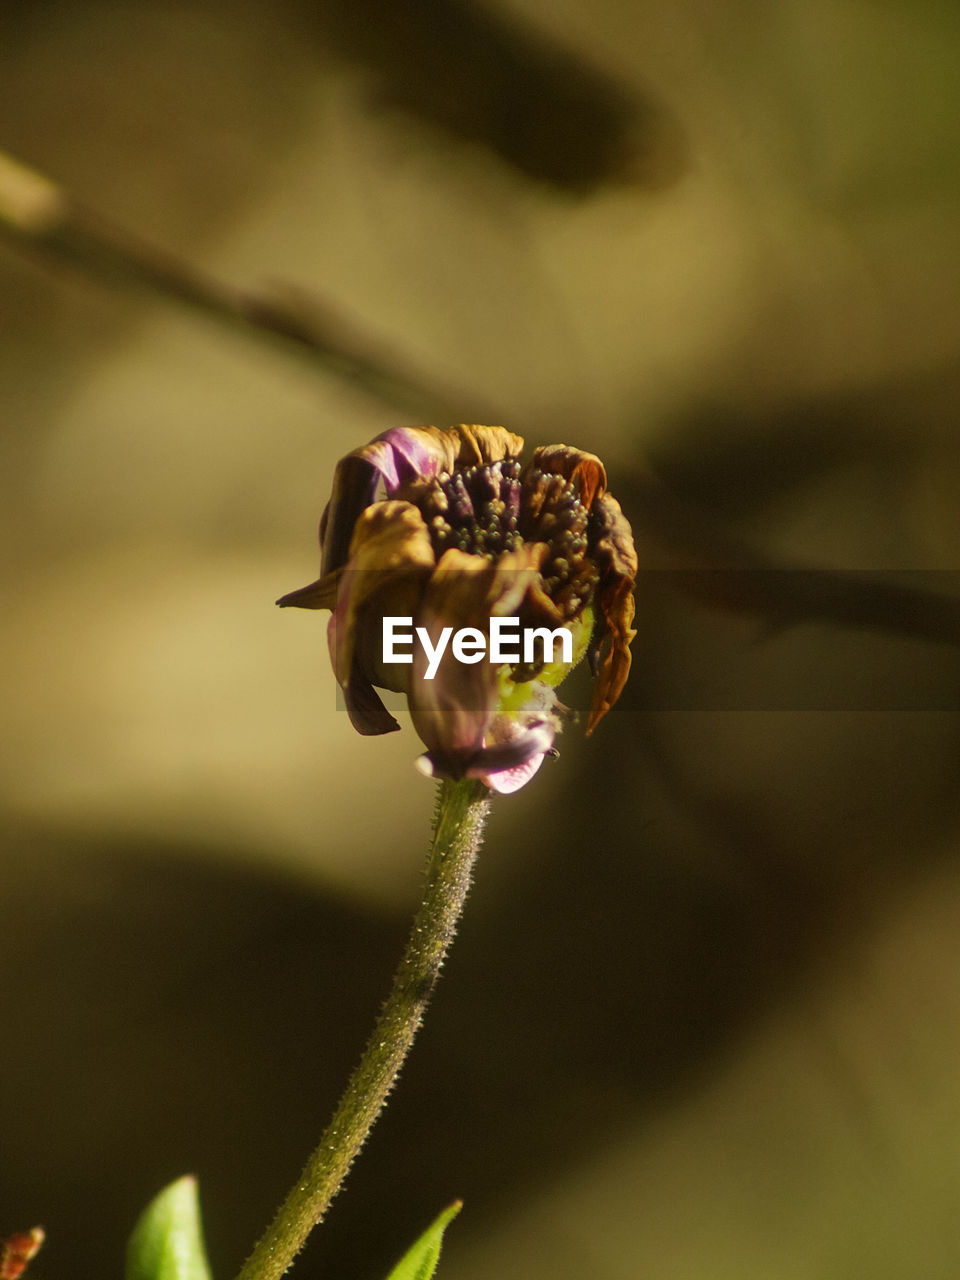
(414, 454)
(506, 781)
(507, 766)
(396, 457)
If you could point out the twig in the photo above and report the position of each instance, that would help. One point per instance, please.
(699, 557)
(43, 216)
(695, 556)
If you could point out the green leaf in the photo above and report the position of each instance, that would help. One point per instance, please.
(420, 1262)
(167, 1242)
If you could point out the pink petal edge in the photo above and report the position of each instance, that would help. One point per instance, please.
(506, 781)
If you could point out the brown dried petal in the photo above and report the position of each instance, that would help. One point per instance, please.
(389, 539)
(321, 594)
(396, 458)
(583, 469)
(390, 559)
(481, 446)
(365, 708)
(616, 558)
(451, 712)
(455, 713)
(517, 579)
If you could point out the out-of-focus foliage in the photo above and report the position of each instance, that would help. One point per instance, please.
(167, 1242)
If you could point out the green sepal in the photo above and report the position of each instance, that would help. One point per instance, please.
(420, 1261)
(167, 1242)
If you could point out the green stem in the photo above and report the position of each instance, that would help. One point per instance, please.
(459, 819)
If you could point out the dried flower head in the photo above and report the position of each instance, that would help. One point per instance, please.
(447, 528)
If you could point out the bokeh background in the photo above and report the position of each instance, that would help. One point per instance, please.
(703, 1016)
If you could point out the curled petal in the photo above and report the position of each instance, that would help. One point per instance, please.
(365, 708)
(509, 764)
(390, 558)
(454, 711)
(616, 558)
(506, 781)
(396, 458)
(505, 767)
(451, 711)
(480, 446)
(584, 469)
(321, 594)
(517, 578)
(390, 542)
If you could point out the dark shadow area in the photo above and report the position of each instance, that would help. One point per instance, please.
(153, 1002)
(733, 462)
(168, 1013)
(485, 78)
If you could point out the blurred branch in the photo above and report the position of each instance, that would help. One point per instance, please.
(41, 216)
(696, 556)
(487, 76)
(699, 557)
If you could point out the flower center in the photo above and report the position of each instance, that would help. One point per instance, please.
(476, 510)
(489, 510)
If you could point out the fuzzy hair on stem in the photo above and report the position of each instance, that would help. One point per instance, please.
(458, 826)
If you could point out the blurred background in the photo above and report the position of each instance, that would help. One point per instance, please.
(703, 1016)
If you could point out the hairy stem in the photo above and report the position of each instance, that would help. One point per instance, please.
(457, 834)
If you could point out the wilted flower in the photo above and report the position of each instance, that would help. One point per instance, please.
(462, 534)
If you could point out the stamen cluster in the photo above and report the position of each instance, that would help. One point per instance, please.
(476, 510)
(552, 512)
(489, 510)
